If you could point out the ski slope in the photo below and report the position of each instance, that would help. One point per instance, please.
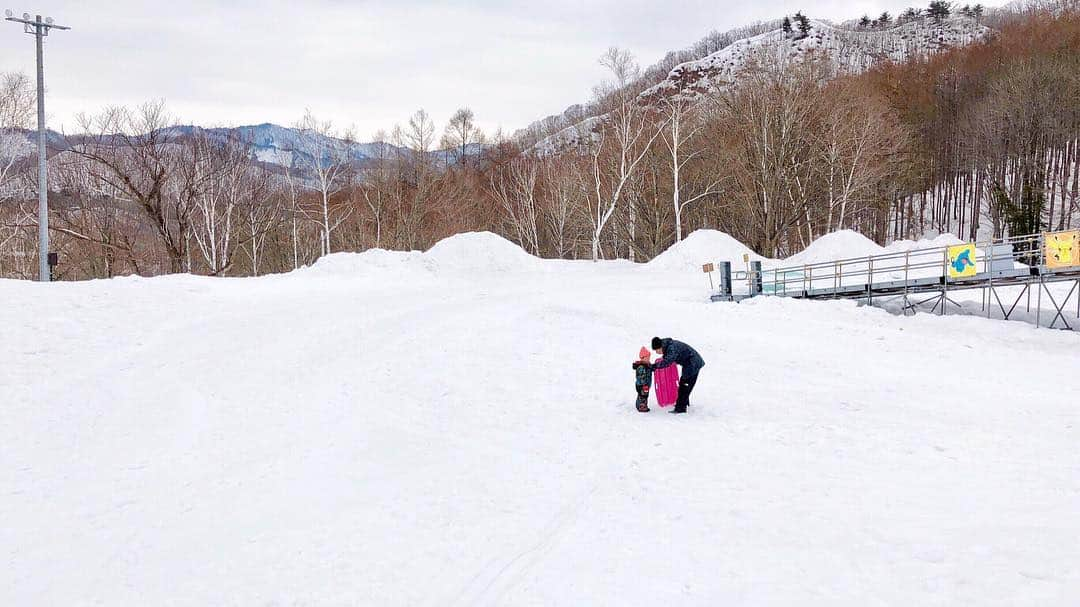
(457, 428)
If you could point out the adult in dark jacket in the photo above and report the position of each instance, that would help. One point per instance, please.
(676, 352)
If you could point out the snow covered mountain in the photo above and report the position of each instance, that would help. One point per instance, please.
(270, 143)
(284, 146)
(851, 50)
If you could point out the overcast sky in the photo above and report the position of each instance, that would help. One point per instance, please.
(367, 64)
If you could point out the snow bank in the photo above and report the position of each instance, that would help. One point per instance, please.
(368, 262)
(703, 246)
(700, 247)
(468, 252)
(483, 251)
(845, 244)
(941, 240)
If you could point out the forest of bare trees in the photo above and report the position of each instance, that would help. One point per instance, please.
(978, 141)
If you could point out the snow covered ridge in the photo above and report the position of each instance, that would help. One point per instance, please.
(852, 51)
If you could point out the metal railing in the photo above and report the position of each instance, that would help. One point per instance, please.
(998, 262)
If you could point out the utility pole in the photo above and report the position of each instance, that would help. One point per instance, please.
(40, 29)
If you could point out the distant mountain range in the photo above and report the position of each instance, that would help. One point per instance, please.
(271, 143)
(281, 145)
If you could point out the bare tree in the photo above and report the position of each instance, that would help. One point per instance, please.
(514, 186)
(261, 210)
(16, 112)
(860, 142)
(768, 122)
(419, 176)
(108, 227)
(215, 176)
(378, 184)
(564, 193)
(461, 132)
(325, 159)
(683, 127)
(618, 143)
(132, 156)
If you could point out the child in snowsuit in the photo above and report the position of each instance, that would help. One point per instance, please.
(643, 380)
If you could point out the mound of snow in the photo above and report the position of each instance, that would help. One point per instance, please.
(845, 244)
(368, 262)
(701, 247)
(941, 240)
(480, 251)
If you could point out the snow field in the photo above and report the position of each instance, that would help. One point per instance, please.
(407, 429)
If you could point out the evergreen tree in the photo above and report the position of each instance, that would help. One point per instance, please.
(804, 24)
(939, 9)
(864, 22)
(977, 11)
(1023, 217)
(786, 27)
(884, 19)
(911, 14)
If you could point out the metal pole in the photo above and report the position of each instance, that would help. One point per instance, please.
(43, 170)
(40, 28)
(989, 269)
(907, 263)
(870, 284)
(1042, 270)
(944, 281)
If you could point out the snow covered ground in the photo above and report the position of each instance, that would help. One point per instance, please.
(457, 428)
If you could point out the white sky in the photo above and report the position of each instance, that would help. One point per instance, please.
(367, 64)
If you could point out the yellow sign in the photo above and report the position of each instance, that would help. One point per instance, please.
(962, 261)
(1062, 249)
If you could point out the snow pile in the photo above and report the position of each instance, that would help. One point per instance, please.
(844, 244)
(370, 262)
(941, 240)
(701, 247)
(471, 252)
(480, 252)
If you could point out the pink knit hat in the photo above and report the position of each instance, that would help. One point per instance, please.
(644, 354)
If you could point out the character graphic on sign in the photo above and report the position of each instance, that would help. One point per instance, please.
(1063, 249)
(962, 261)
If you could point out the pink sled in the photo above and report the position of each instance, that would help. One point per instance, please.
(666, 382)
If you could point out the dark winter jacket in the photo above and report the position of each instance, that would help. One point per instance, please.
(678, 353)
(642, 374)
